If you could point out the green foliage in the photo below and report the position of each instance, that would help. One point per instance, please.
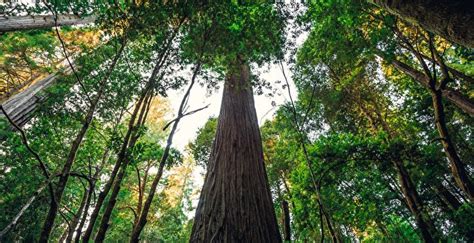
(334, 155)
(224, 31)
(202, 145)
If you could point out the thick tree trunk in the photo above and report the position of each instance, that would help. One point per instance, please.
(425, 225)
(20, 106)
(451, 19)
(458, 170)
(235, 203)
(16, 23)
(63, 178)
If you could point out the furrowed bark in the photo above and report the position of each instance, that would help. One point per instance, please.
(140, 224)
(63, 178)
(235, 203)
(451, 19)
(17, 23)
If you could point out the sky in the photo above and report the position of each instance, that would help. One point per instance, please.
(189, 125)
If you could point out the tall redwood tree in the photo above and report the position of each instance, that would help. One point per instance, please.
(236, 203)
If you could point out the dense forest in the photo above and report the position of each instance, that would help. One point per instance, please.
(374, 141)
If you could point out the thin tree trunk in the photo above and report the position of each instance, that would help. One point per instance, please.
(140, 224)
(235, 202)
(63, 178)
(458, 170)
(103, 194)
(332, 231)
(92, 185)
(408, 188)
(454, 97)
(84, 214)
(426, 226)
(326, 215)
(123, 159)
(100, 201)
(451, 202)
(286, 221)
(451, 19)
(288, 191)
(16, 23)
(13, 223)
(141, 191)
(108, 185)
(454, 72)
(437, 93)
(285, 215)
(77, 216)
(64, 235)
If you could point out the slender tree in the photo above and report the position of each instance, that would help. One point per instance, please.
(54, 204)
(143, 214)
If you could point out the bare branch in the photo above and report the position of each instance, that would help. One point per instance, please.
(63, 45)
(183, 115)
(24, 140)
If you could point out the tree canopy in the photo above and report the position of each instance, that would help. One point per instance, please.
(377, 145)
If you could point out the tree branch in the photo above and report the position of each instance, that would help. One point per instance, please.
(183, 115)
(24, 140)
